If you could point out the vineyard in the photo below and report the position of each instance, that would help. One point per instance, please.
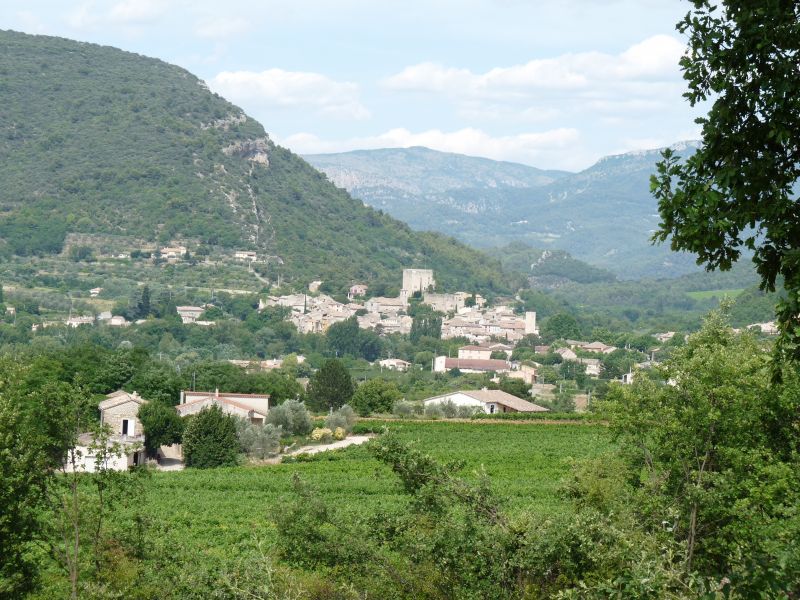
(214, 513)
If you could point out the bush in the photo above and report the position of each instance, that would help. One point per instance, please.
(292, 417)
(210, 440)
(449, 409)
(322, 434)
(403, 408)
(375, 396)
(434, 411)
(466, 412)
(258, 441)
(339, 433)
(343, 418)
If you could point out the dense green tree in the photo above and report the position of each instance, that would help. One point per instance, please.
(209, 439)
(375, 396)
(427, 324)
(717, 451)
(331, 386)
(738, 191)
(23, 472)
(561, 326)
(162, 426)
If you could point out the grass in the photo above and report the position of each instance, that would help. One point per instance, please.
(211, 513)
(708, 294)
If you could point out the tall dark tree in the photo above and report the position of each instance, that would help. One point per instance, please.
(143, 308)
(738, 192)
(331, 386)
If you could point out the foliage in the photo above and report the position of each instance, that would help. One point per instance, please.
(561, 326)
(343, 418)
(291, 417)
(162, 426)
(331, 386)
(23, 474)
(258, 440)
(738, 192)
(375, 396)
(321, 434)
(716, 455)
(209, 439)
(346, 338)
(122, 139)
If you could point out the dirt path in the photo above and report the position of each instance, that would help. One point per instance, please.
(352, 440)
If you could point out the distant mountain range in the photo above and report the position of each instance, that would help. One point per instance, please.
(604, 215)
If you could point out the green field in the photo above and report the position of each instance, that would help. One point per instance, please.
(210, 512)
(708, 294)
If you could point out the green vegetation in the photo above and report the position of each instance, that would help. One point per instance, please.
(738, 193)
(718, 294)
(114, 147)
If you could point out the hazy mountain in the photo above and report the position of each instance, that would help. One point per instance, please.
(604, 215)
(97, 141)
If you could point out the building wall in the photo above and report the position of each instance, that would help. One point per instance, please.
(457, 399)
(114, 416)
(86, 462)
(415, 280)
(481, 354)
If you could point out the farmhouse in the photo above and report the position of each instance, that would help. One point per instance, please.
(394, 364)
(189, 314)
(120, 412)
(356, 290)
(172, 252)
(253, 407)
(489, 401)
(470, 365)
(245, 255)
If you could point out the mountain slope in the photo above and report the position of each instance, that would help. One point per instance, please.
(97, 141)
(604, 215)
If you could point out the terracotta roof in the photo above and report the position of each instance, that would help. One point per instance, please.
(221, 400)
(475, 348)
(226, 394)
(505, 399)
(120, 397)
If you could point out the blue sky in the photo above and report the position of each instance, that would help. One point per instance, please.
(553, 84)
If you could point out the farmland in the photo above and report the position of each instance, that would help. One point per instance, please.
(212, 513)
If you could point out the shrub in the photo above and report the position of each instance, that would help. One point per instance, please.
(403, 408)
(339, 433)
(466, 412)
(344, 418)
(375, 396)
(322, 434)
(434, 411)
(210, 440)
(258, 441)
(449, 409)
(292, 417)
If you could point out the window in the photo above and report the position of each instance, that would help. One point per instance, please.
(124, 426)
(491, 409)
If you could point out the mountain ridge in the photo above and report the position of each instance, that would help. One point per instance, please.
(99, 141)
(603, 215)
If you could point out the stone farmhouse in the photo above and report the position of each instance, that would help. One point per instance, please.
(120, 412)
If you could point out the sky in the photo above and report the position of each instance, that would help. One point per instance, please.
(554, 84)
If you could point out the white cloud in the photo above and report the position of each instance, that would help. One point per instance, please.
(640, 76)
(276, 88)
(222, 27)
(556, 146)
(136, 11)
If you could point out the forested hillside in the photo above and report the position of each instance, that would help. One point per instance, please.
(97, 141)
